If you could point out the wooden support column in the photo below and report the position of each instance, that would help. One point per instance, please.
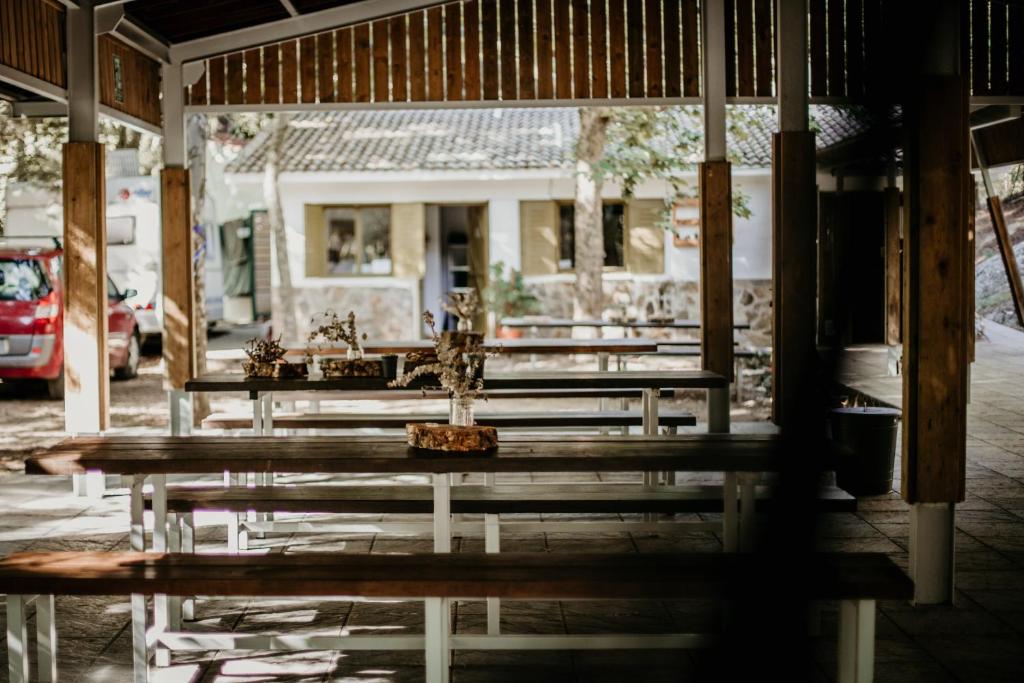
(794, 222)
(893, 266)
(716, 340)
(86, 368)
(179, 332)
(715, 189)
(179, 321)
(937, 319)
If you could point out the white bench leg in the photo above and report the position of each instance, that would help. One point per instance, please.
(46, 639)
(436, 631)
(856, 641)
(140, 653)
(161, 603)
(174, 546)
(492, 544)
(188, 545)
(17, 640)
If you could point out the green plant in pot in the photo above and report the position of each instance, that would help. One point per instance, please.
(507, 297)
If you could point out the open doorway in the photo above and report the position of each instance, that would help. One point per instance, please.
(456, 256)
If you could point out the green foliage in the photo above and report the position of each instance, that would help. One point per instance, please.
(507, 297)
(664, 143)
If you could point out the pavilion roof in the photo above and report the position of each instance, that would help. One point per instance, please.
(482, 139)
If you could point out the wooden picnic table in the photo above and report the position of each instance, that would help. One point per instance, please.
(261, 390)
(530, 346)
(549, 323)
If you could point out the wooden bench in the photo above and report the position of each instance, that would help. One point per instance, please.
(856, 580)
(490, 501)
(566, 419)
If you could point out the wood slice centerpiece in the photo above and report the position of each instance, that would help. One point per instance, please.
(432, 436)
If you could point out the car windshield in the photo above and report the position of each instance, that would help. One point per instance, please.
(22, 280)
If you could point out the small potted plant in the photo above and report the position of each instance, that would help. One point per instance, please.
(507, 297)
(458, 369)
(330, 328)
(266, 359)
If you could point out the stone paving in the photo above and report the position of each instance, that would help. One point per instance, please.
(978, 638)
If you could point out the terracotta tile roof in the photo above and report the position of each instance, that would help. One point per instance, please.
(481, 139)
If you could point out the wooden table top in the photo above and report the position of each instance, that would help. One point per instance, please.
(677, 324)
(682, 379)
(536, 346)
(362, 454)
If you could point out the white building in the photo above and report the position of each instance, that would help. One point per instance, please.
(385, 211)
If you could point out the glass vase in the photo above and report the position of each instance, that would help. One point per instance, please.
(353, 354)
(461, 411)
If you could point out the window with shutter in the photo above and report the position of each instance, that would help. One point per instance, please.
(538, 235)
(316, 251)
(408, 239)
(645, 238)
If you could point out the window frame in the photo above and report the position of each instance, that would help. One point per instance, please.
(359, 237)
(625, 232)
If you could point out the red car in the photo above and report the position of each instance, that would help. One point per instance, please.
(32, 316)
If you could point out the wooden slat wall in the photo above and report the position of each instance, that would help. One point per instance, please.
(487, 49)
(32, 38)
(750, 48)
(558, 49)
(140, 91)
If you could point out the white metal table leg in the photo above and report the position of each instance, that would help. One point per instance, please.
(161, 604)
(17, 640)
(748, 504)
(437, 628)
(856, 641)
(442, 514)
(438, 618)
(137, 538)
(730, 515)
(46, 638)
(492, 544)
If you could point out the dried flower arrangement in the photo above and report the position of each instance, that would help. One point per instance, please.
(464, 305)
(457, 365)
(266, 359)
(333, 329)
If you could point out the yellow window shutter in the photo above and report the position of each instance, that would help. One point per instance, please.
(645, 238)
(538, 236)
(316, 241)
(408, 240)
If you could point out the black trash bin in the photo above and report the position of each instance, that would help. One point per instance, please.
(870, 435)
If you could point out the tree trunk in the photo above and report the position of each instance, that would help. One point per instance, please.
(588, 300)
(197, 134)
(284, 315)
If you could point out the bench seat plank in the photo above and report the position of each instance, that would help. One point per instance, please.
(474, 499)
(535, 576)
(362, 454)
(680, 379)
(562, 418)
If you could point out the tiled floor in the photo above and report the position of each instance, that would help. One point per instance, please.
(978, 638)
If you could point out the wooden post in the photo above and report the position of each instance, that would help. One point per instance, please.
(86, 367)
(715, 189)
(179, 322)
(179, 331)
(893, 266)
(716, 339)
(794, 221)
(937, 321)
(794, 217)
